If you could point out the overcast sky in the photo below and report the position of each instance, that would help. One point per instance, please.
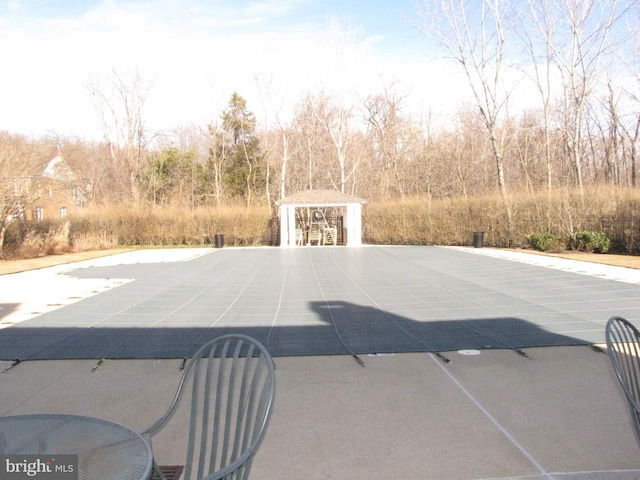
(198, 52)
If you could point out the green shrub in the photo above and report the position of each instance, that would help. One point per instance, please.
(546, 242)
(592, 242)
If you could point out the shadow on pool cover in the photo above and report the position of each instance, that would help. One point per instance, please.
(348, 329)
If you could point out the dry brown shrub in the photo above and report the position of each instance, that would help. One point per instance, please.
(453, 221)
(50, 239)
(411, 221)
(126, 225)
(84, 242)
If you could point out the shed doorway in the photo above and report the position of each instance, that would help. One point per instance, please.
(319, 218)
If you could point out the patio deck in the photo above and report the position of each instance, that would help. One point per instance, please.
(555, 413)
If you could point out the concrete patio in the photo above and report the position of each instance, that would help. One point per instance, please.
(552, 412)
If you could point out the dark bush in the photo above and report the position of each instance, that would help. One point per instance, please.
(592, 242)
(546, 242)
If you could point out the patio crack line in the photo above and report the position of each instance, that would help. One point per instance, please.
(494, 421)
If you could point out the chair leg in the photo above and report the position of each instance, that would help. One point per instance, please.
(635, 417)
(157, 472)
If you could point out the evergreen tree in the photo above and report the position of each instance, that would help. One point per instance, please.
(245, 172)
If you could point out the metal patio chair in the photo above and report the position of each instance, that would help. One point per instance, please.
(314, 236)
(623, 348)
(330, 236)
(232, 385)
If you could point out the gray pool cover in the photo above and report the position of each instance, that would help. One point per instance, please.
(321, 301)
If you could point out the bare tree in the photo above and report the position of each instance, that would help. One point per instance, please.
(390, 134)
(93, 176)
(538, 45)
(335, 117)
(21, 166)
(578, 35)
(218, 158)
(120, 99)
(630, 126)
(273, 100)
(630, 133)
(475, 34)
(310, 148)
(616, 123)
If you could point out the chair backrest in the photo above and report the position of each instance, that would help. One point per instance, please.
(232, 385)
(623, 348)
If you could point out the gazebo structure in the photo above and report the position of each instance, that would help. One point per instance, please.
(303, 222)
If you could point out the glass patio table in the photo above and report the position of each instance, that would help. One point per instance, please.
(105, 450)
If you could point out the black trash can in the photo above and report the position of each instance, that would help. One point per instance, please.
(219, 240)
(478, 239)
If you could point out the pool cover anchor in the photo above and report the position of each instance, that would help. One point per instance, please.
(97, 365)
(441, 357)
(13, 364)
(358, 359)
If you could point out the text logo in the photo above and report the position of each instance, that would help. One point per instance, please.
(38, 467)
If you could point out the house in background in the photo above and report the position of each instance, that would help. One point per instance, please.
(57, 192)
